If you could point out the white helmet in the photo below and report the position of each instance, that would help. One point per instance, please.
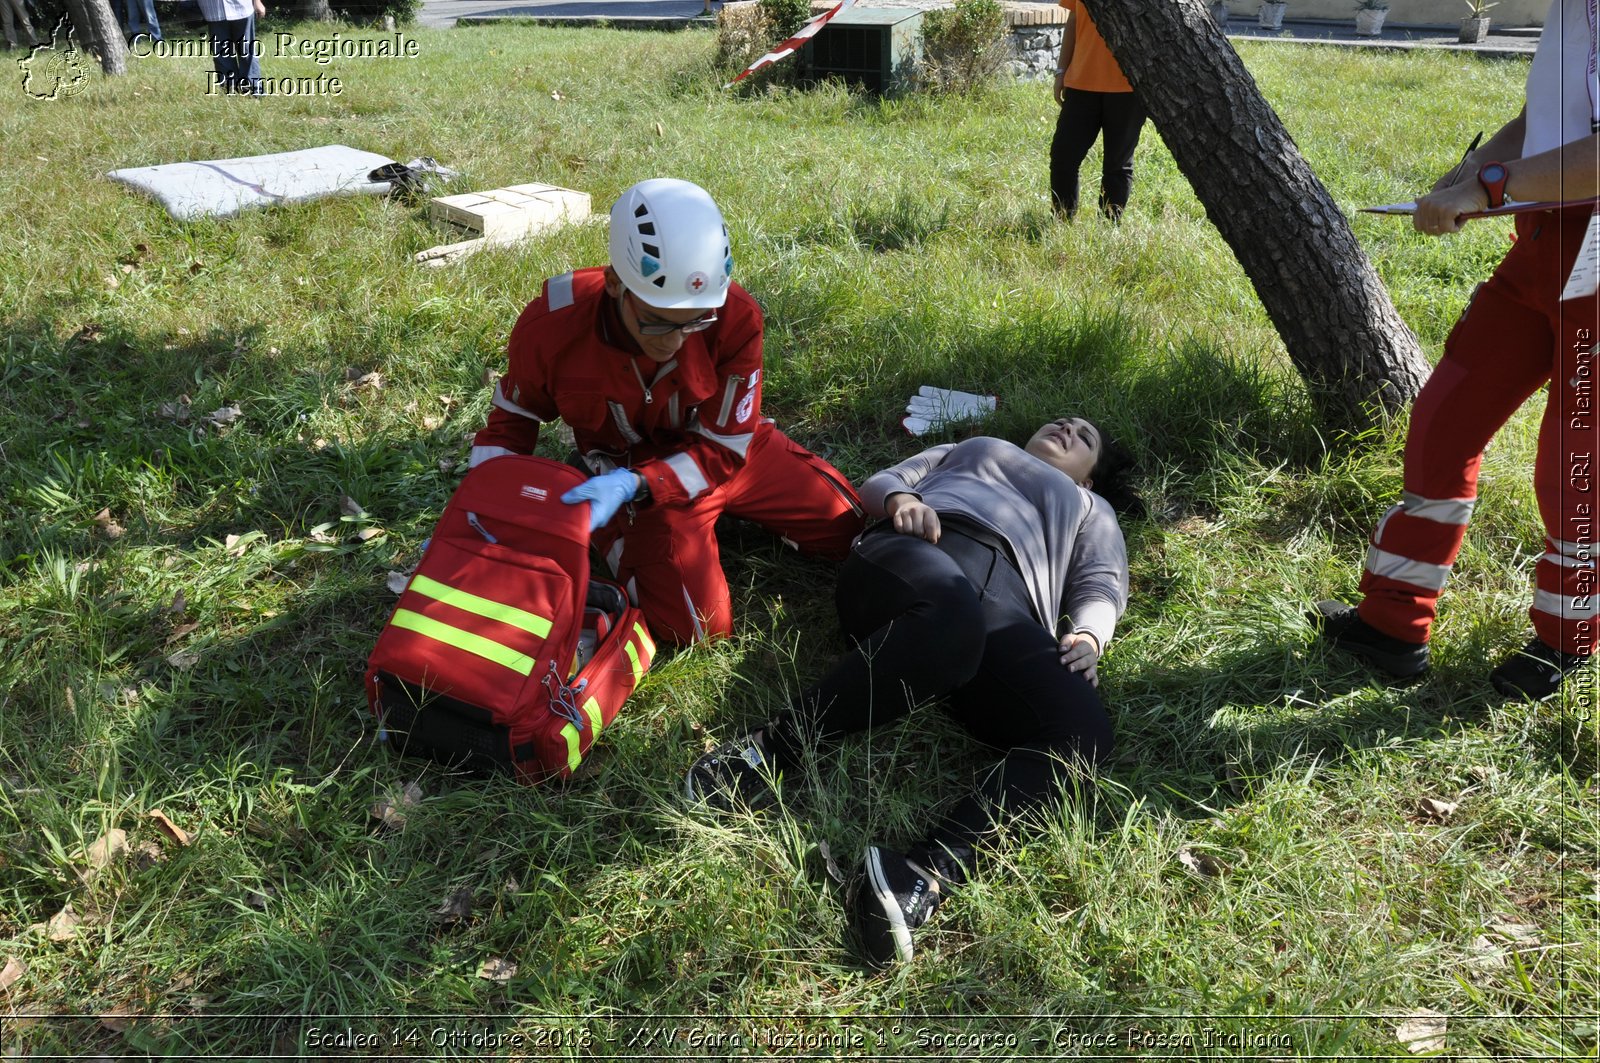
(669, 245)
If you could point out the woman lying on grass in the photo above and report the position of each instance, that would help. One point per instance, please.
(956, 594)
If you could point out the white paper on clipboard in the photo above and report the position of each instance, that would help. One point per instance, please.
(1584, 280)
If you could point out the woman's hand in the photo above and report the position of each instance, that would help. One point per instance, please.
(911, 516)
(1440, 212)
(1080, 653)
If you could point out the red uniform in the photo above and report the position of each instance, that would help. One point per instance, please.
(692, 427)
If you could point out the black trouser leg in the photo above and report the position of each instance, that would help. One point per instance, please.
(1122, 120)
(918, 629)
(1076, 127)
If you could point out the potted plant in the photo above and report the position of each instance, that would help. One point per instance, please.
(1475, 27)
(1270, 17)
(1219, 13)
(1369, 17)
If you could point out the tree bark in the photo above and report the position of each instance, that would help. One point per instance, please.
(1359, 359)
(100, 34)
(318, 10)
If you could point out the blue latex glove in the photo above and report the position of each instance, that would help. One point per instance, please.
(605, 494)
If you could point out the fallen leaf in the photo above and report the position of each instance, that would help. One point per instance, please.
(387, 813)
(117, 1023)
(126, 267)
(446, 464)
(223, 416)
(350, 507)
(273, 352)
(829, 862)
(101, 852)
(430, 423)
(369, 380)
(1199, 864)
(1422, 1032)
(1522, 934)
(555, 94)
(320, 534)
(91, 332)
(13, 970)
(396, 582)
(182, 630)
(174, 411)
(367, 534)
(1435, 810)
(112, 282)
(108, 525)
(194, 267)
(179, 604)
(147, 855)
(411, 794)
(448, 401)
(488, 378)
(495, 969)
(259, 899)
(184, 660)
(659, 131)
(63, 925)
(1484, 954)
(456, 907)
(169, 828)
(230, 543)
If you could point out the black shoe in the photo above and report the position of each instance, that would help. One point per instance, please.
(897, 897)
(1536, 671)
(736, 774)
(1342, 628)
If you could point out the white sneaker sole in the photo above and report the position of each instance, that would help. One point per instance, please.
(879, 882)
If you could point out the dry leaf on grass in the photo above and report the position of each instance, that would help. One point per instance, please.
(368, 380)
(182, 630)
(1484, 954)
(147, 855)
(179, 604)
(169, 828)
(101, 852)
(396, 582)
(1422, 1032)
(1525, 935)
(259, 899)
(63, 925)
(387, 814)
(108, 525)
(1436, 811)
(1201, 865)
(13, 970)
(368, 534)
(184, 660)
(222, 416)
(495, 969)
(456, 907)
(350, 507)
(828, 861)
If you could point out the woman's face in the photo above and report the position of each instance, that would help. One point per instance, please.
(1071, 444)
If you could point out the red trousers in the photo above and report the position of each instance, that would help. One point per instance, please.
(667, 556)
(1515, 335)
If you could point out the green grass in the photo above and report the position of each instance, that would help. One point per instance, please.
(892, 244)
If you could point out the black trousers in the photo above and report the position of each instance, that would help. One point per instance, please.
(1119, 117)
(952, 619)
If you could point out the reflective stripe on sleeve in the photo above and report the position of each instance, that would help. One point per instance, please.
(500, 401)
(480, 455)
(1417, 573)
(688, 473)
(477, 645)
(559, 290)
(739, 444)
(471, 603)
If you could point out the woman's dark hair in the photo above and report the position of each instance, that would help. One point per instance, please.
(1112, 476)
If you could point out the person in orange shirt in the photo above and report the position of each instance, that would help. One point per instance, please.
(1095, 100)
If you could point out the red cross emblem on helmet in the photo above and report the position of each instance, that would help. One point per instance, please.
(697, 281)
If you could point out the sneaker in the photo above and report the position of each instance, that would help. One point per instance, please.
(734, 775)
(1536, 671)
(1342, 628)
(897, 897)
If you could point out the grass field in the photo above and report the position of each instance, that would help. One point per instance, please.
(150, 660)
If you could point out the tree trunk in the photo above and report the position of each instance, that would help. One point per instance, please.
(1359, 360)
(317, 10)
(100, 34)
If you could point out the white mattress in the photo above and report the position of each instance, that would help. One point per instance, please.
(226, 186)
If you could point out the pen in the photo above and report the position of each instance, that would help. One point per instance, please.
(1465, 155)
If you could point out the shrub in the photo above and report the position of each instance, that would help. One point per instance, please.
(749, 30)
(962, 46)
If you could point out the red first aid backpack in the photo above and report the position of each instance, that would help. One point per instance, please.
(503, 650)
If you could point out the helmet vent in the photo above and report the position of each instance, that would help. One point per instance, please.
(660, 282)
(652, 250)
(640, 211)
(647, 228)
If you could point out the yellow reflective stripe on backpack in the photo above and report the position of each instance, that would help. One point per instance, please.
(574, 758)
(644, 638)
(633, 658)
(488, 649)
(591, 709)
(471, 603)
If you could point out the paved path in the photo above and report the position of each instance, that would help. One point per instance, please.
(673, 14)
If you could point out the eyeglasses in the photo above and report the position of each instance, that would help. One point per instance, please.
(667, 328)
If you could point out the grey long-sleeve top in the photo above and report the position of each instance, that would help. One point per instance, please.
(1065, 538)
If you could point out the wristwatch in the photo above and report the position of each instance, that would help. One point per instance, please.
(1492, 176)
